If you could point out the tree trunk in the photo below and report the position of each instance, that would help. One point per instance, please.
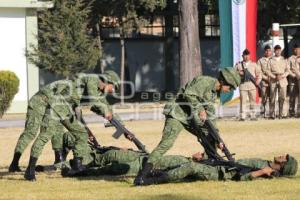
(122, 67)
(100, 67)
(189, 42)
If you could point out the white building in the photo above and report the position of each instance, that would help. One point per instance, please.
(18, 30)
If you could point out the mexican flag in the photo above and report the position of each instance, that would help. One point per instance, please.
(238, 20)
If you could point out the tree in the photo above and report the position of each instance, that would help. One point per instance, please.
(65, 47)
(9, 87)
(130, 17)
(189, 53)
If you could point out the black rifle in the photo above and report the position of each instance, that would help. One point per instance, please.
(214, 133)
(249, 77)
(92, 139)
(129, 135)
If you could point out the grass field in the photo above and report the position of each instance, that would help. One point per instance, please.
(247, 139)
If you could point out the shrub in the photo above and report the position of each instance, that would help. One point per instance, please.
(9, 87)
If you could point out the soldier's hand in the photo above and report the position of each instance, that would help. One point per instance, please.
(221, 146)
(108, 116)
(198, 156)
(202, 115)
(241, 72)
(268, 171)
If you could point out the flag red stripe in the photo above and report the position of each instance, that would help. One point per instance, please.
(251, 27)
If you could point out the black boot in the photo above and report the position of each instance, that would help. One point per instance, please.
(139, 179)
(14, 166)
(30, 171)
(159, 178)
(58, 157)
(77, 168)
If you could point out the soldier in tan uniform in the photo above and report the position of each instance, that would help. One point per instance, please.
(278, 72)
(247, 88)
(293, 90)
(265, 92)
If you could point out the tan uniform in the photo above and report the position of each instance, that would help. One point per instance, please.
(265, 92)
(292, 85)
(295, 71)
(278, 67)
(247, 88)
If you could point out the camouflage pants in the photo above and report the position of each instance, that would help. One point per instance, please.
(62, 112)
(34, 118)
(170, 133)
(51, 128)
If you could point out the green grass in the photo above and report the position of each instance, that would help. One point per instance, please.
(250, 139)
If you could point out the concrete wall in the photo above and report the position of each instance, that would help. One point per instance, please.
(12, 51)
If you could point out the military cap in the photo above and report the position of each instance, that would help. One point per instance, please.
(111, 77)
(267, 47)
(231, 77)
(296, 46)
(277, 47)
(246, 52)
(290, 168)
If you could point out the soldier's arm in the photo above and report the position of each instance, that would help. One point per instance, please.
(258, 73)
(286, 70)
(291, 66)
(99, 102)
(262, 69)
(268, 71)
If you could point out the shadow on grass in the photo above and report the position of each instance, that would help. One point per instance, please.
(169, 197)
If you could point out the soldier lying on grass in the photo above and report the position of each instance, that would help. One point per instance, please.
(172, 168)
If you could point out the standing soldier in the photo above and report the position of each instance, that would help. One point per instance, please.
(265, 90)
(247, 88)
(292, 81)
(194, 103)
(278, 72)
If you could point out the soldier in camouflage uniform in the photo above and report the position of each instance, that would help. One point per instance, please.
(36, 109)
(114, 161)
(193, 104)
(62, 99)
(285, 165)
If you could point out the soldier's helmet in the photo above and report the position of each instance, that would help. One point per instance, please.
(111, 77)
(290, 168)
(231, 76)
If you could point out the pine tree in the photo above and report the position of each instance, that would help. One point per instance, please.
(64, 46)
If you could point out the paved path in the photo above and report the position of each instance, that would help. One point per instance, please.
(227, 112)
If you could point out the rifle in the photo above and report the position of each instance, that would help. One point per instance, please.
(129, 135)
(92, 139)
(215, 135)
(249, 77)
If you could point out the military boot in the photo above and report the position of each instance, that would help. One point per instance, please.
(30, 171)
(58, 157)
(77, 167)
(142, 175)
(14, 166)
(161, 177)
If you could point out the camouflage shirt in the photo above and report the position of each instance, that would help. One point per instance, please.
(83, 88)
(197, 95)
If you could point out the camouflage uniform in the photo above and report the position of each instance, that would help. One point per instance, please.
(183, 112)
(35, 120)
(63, 98)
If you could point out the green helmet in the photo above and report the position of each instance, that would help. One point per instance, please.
(112, 77)
(231, 76)
(290, 168)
